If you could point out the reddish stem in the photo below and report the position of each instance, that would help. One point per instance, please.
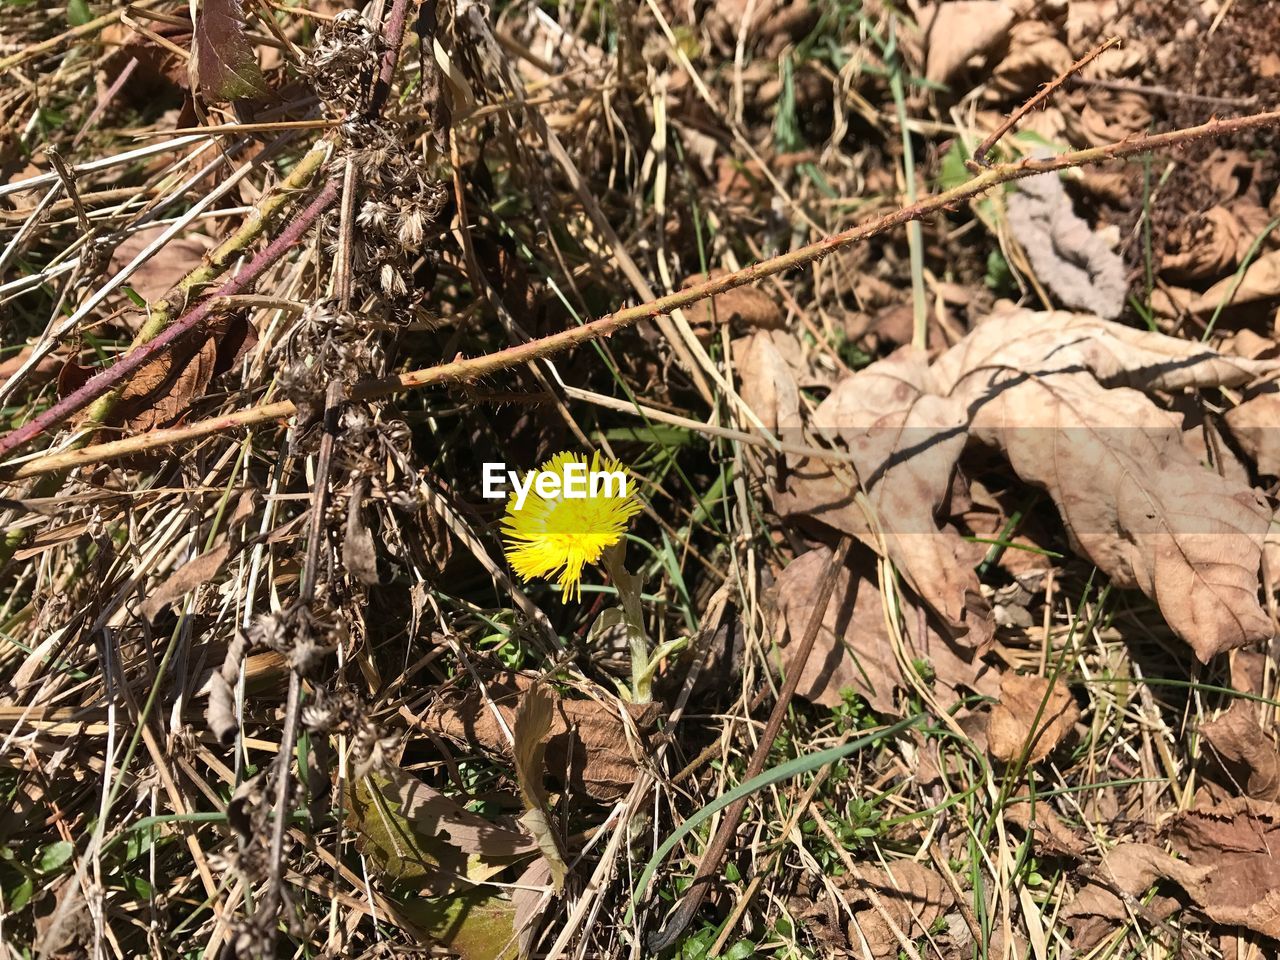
(116, 374)
(393, 35)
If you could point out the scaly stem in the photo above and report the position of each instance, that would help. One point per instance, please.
(628, 588)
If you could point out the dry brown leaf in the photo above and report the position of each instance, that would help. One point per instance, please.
(158, 275)
(804, 366)
(1035, 56)
(529, 904)
(767, 385)
(1261, 281)
(746, 306)
(1249, 755)
(44, 370)
(913, 895)
(163, 389)
(954, 33)
(853, 650)
(1130, 868)
(224, 63)
(1059, 395)
(1229, 872)
(905, 441)
(1201, 247)
(1138, 504)
(1110, 115)
(1254, 425)
(1051, 834)
(359, 555)
(186, 578)
(1234, 843)
(532, 724)
(1069, 258)
(587, 747)
(1131, 497)
(1010, 730)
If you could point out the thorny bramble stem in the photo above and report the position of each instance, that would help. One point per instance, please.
(473, 368)
(113, 377)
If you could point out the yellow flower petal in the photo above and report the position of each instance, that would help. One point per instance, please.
(558, 536)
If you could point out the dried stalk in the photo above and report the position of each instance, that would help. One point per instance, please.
(709, 865)
(980, 155)
(113, 378)
(470, 369)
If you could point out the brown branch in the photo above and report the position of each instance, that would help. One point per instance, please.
(1011, 121)
(113, 377)
(709, 865)
(470, 369)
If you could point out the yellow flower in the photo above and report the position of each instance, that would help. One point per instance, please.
(550, 534)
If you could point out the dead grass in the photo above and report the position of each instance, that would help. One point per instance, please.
(266, 691)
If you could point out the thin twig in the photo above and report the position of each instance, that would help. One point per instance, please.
(114, 377)
(1167, 93)
(466, 370)
(709, 865)
(979, 155)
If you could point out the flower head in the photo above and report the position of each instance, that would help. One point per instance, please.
(561, 534)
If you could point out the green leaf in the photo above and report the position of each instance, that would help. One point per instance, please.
(54, 856)
(476, 924)
(226, 63)
(19, 896)
(78, 13)
(415, 835)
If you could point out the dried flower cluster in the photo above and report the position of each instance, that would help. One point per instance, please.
(402, 202)
(344, 61)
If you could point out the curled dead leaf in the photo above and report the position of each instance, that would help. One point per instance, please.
(912, 895)
(1201, 247)
(1255, 425)
(186, 578)
(1110, 115)
(1131, 497)
(1229, 872)
(532, 724)
(1248, 754)
(767, 384)
(853, 650)
(1035, 56)
(588, 747)
(162, 390)
(1031, 717)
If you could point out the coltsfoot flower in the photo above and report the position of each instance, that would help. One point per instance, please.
(557, 536)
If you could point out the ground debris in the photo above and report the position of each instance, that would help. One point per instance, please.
(588, 747)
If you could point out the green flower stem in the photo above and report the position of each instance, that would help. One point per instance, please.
(628, 588)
